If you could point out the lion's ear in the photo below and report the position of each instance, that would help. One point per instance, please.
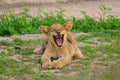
(44, 29)
(68, 25)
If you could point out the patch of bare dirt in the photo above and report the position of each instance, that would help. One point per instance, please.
(81, 33)
(16, 57)
(81, 44)
(70, 7)
(94, 41)
(5, 49)
(27, 37)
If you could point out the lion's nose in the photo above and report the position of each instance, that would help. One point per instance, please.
(58, 33)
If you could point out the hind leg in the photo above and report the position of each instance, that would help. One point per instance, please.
(77, 53)
(39, 51)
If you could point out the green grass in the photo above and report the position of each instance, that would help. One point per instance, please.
(13, 24)
(27, 24)
(82, 38)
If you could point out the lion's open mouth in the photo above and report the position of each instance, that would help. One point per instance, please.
(58, 39)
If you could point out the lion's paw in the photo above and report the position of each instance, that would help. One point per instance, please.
(38, 51)
(47, 65)
(57, 64)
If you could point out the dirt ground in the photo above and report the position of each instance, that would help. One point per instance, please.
(70, 7)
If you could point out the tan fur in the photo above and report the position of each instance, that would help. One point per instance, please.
(64, 53)
(41, 49)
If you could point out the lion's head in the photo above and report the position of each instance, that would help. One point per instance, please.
(57, 33)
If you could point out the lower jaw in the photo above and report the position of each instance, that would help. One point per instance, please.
(58, 46)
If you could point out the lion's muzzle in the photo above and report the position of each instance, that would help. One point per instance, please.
(58, 39)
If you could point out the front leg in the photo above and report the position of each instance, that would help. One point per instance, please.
(46, 62)
(39, 50)
(45, 59)
(61, 62)
(77, 53)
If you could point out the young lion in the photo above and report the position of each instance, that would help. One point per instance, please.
(44, 30)
(58, 43)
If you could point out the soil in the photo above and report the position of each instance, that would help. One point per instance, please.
(27, 37)
(70, 7)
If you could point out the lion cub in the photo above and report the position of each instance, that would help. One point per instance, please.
(58, 43)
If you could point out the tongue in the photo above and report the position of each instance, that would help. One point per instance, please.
(59, 41)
